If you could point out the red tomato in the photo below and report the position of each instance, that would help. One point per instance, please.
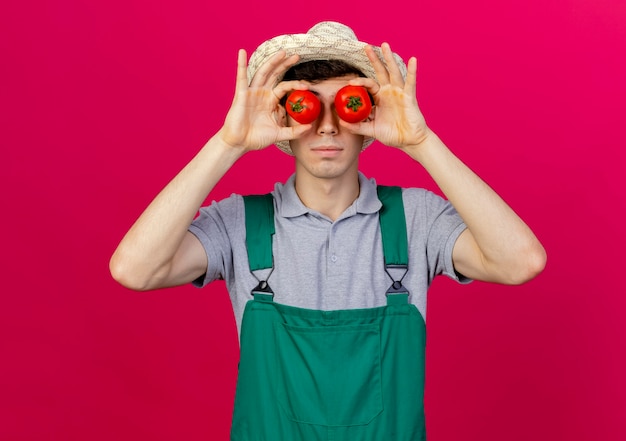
(303, 106)
(353, 103)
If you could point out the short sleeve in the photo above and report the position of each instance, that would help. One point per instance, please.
(441, 226)
(216, 226)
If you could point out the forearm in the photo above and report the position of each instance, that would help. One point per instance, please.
(147, 250)
(507, 249)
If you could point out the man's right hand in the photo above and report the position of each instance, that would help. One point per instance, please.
(256, 119)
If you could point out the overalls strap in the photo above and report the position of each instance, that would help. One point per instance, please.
(259, 211)
(393, 227)
(259, 214)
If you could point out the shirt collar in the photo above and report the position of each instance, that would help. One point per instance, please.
(290, 205)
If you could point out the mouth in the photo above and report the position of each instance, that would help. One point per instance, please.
(327, 150)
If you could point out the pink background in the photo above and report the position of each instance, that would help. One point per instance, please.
(104, 101)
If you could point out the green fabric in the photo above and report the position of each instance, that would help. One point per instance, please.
(343, 375)
(259, 230)
(393, 226)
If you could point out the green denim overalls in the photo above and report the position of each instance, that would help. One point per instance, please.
(342, 375)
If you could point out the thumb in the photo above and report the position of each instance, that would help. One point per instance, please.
(293, 132)
(364, 128)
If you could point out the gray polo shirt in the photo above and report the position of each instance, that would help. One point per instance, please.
(326, 265)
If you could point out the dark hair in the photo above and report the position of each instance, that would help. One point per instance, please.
(320, 70)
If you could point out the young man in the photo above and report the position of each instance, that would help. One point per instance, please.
(328, 289)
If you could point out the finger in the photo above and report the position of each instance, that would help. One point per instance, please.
(273, 68)
(364, 128)
(284, 87)
(392, 67)
(379, 68)
(280, 70)
(242, 71)
(260, 77)
(293, 132)
(371, 85)
(410, 85)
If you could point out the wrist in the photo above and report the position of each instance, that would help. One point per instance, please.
(425, 143)
(219, 149)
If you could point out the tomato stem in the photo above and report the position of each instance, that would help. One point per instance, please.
(297, 106)
(354, 103)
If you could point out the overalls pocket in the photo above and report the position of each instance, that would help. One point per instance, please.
(329, 375)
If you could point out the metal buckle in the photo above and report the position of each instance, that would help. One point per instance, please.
(397, 287)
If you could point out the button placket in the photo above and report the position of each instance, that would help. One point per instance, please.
(331, 245)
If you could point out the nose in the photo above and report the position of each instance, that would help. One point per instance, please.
(327, 120)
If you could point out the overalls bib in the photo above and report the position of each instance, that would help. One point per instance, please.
(341, 375)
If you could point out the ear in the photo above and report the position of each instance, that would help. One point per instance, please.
(372, 115)
(281, 116)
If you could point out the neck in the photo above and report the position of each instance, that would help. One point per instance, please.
(330, 197)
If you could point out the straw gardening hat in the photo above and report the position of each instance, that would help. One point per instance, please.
(327, 40)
